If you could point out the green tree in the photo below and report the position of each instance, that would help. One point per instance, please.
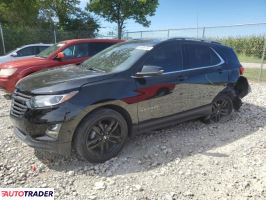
(118, 11)
(19, 12)
(32, 21)
(66, 15)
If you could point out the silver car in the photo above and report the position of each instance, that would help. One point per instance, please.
(24, 52)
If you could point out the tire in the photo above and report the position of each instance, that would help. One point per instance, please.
(222, 106)
(101, 136)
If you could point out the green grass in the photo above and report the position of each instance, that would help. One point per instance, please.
(253, 74)
(249, 59)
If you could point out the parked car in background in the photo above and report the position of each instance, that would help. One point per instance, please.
(130, 87)
(63, 53)
(24, 52)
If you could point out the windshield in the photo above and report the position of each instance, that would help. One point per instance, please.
(118, 57)
(48, 51)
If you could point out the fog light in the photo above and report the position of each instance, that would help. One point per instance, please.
(53, 130)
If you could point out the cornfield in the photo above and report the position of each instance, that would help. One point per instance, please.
(251, 46)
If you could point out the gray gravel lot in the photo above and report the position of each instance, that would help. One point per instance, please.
(225, 160)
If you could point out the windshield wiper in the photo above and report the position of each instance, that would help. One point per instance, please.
(95, 69)
(92, 68)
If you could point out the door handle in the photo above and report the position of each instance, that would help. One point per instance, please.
(220, 71)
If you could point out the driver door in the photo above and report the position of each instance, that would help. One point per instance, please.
(75, 54)
(162, 94)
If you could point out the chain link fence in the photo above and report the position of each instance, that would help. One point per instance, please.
(11, 38)
(248, 40)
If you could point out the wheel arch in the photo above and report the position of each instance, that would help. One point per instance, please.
(231, 92)
(116, 108)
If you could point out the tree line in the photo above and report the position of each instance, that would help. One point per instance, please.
(46, 14)
(67, 14)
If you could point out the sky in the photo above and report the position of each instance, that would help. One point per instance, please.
(172, 14)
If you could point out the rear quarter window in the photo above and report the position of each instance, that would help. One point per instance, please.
(228, 55)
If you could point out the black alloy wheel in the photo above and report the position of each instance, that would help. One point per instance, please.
(104, 136)
(101, 136)
(222, 106)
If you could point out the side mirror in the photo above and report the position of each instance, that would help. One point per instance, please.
(14, 54)
(149, 70)
(60, 56)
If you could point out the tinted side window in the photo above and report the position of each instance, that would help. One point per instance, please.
(196, 55)
(81, 50)
(168, 56)
(27, 51)
(69, 52)
(95, 48)
(76, 51)
(41, 48)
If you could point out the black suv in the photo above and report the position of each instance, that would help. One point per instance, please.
(129, 87)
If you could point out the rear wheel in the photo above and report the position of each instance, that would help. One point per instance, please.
(222, 106)
(101, 135)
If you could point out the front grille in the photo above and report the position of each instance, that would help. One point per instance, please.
(19, 104)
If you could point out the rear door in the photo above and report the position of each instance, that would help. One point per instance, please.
(205, 73)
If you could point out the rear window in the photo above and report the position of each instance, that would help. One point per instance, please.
(196, 55)
(95, 48)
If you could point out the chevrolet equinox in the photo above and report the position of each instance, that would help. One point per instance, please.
(130, 87)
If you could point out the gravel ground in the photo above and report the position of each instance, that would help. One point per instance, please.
(225, 160)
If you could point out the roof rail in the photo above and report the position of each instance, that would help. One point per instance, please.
(195, 39)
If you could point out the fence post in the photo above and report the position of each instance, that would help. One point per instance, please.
(2, 37)
(54, 36)
(168, 33)
(140, 34)
(262, 58)
(203, 33)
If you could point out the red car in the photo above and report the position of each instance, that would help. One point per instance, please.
(67, 52)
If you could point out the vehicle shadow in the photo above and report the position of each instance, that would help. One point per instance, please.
(156, 148)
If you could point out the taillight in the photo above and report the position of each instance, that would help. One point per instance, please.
(241, 70)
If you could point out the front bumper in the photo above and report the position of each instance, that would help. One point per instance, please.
(44, 143)
(34, 127)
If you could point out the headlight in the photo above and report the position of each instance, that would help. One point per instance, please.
(7, 72)
(51, 100)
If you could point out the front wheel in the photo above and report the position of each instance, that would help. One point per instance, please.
(101, 135)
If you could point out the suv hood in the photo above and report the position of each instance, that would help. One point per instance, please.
(32, 61)
(58, 80)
